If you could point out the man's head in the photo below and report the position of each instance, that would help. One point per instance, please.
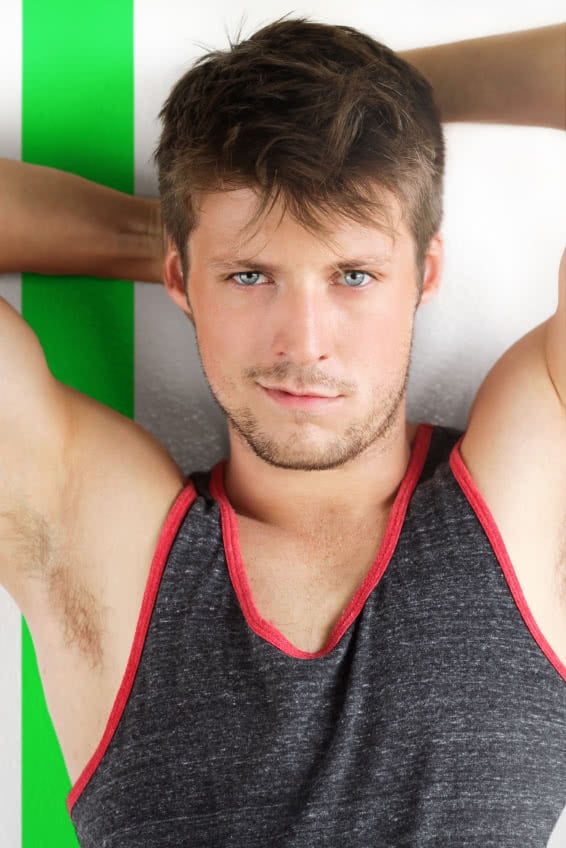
(303, 147)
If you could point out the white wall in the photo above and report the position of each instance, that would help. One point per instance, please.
(10, 618)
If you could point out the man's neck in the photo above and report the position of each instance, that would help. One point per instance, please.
(298, 503)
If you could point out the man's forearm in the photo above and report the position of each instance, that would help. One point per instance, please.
(54, 222)
(512, 78)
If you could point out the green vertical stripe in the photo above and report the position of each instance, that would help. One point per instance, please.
(77, 115)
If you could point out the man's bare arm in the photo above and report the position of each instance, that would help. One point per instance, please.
(512, 78)
(54, 222)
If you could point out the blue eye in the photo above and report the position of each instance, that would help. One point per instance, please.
(365, 273)
(242, 273)
(256, 273)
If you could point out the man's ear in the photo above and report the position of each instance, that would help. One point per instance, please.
(434, 264)
(173, 279)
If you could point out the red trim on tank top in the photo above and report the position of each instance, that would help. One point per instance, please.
(480, 507)
(239, 579)
(182, 503)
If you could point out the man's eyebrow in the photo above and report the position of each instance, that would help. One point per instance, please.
(220, 263)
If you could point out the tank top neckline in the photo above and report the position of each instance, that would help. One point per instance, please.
(240, 584)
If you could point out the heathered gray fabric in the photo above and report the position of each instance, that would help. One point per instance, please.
(437, 720)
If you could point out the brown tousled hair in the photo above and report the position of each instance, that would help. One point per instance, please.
(320, 115)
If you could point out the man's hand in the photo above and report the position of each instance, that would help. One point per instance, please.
(157, 239)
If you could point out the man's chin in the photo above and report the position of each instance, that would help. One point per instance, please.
(316, 452)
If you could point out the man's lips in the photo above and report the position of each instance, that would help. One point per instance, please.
(301, 401)
(296, 393)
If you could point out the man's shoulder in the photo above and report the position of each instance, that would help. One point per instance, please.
(120, 484)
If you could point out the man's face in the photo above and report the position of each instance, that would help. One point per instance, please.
(302, 325)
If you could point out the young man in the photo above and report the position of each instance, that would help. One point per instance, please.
(353, 629)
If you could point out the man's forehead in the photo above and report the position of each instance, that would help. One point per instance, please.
(236, 209)
(225, 224)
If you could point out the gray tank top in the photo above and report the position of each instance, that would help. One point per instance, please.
(435, 714)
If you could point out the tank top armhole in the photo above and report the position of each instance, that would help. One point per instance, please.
(486, 519)
(173, 521)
